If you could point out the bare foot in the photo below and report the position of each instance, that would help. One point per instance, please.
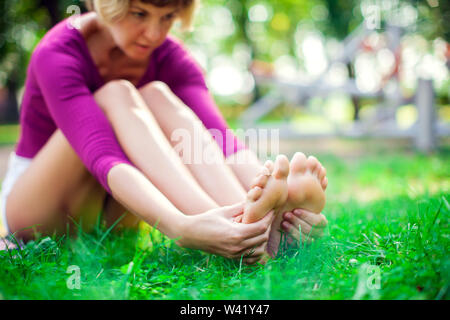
(269, 190)
(306, 190)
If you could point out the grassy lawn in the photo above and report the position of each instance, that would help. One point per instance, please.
(9, 134)
(388, 238)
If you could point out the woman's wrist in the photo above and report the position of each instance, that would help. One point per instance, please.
(178, 229)
(182, 229)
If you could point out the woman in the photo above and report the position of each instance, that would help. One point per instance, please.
(101, 103)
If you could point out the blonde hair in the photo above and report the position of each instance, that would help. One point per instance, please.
(114, 10)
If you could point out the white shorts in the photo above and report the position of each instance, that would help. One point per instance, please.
(16, 167)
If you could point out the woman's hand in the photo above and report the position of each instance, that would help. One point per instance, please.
(311, 225)
(216, 232)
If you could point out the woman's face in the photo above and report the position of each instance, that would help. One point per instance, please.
(143, 29)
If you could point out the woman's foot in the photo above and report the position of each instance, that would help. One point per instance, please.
(269, 190)
(306, 190)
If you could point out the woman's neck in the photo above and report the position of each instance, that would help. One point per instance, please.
(93, 29)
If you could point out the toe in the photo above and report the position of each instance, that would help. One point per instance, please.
(254, 193)
(322, 173)
(298, 163)
(269, 165)
(324, 183)
(260, 181)
(322, 177)
(281, 167)
(265, 171)
(312, 164)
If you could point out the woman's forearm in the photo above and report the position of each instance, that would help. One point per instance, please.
(136, 193)
(245, 165)
(212, 231)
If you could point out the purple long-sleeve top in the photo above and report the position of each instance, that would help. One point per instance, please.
(61, 79)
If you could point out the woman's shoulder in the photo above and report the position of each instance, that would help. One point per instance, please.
(176, 65)
(171, 48)
(62, 39)
(173, 54)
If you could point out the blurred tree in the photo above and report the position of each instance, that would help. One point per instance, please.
(20, 22)
(266, 27)
(342, 17)
(22, 25)
(434, 18)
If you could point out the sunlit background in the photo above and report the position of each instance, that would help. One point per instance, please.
(360, 84)
(250, 49)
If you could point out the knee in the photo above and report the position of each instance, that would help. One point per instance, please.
(157, 94)
(110, 94)
(156, 90)
(114, 88)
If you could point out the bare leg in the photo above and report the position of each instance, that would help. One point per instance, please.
(215, 176)
(69, 198)
(171, 114)
(80, 195)
(145, 144)
(54, 189)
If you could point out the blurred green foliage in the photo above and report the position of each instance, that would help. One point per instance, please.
(23, 23)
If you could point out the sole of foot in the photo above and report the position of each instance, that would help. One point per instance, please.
(306, 190)
(306, 184)
(269, 190)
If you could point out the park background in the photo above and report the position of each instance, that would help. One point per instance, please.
(387, 201)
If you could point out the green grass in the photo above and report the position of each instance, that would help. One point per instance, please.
(9, 134)
(388, 215)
